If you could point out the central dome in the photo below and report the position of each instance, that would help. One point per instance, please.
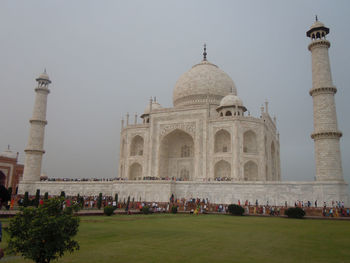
(203, 82)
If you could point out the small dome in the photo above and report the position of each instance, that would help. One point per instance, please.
(204, 81)
(231, 100)
(8, 154)
(155, 106)
(317, 24)
(44, 76)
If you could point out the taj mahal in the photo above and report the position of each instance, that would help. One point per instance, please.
(208, 145)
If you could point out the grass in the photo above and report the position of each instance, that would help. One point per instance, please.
(206, 238)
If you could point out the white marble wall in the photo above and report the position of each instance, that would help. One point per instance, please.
(276, 193)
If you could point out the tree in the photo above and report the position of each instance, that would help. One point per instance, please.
(26, 199)
(116, 198)
(99, 201)
(63, 194)
(46, 196)
(37, 198)
(44, 233)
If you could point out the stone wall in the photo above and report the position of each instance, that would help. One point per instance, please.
(217, 192)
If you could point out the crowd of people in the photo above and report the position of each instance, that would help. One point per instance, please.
(194, 205)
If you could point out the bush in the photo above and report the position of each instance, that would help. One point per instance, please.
(236, 210)
(108, 210)
(146, 210)
(295, 212)
(174, 209)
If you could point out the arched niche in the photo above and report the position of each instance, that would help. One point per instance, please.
(222, 171)
(222, 142)
(249, 142)
(250, 171)
(135, 171)
(273, 162)
(136, 147)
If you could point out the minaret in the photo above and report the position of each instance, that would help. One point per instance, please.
(326, 134)
(35, 147)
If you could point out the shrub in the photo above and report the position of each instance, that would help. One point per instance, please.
(236, 210)
(174, 209)
(146, 210)
(295, 212)
(108, 210)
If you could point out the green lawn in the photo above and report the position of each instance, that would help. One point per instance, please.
(207, 238)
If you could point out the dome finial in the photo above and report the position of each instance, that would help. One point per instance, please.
(205, 52)
(316, 18)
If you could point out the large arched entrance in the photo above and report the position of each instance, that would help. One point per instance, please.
(176, 156)
(2, 178)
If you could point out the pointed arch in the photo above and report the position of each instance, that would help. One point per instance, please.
(222, 142)
(249, 142)
(250, 171)
(222, 170)
(2, 178)
(135, 172)
(176, 155)
(136, 147)
(273, 161)
(122, 151)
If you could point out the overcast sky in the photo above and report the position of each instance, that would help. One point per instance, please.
(106, 58)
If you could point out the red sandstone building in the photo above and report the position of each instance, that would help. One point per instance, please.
(10, 171)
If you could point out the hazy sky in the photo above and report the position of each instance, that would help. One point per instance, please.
(106, 58)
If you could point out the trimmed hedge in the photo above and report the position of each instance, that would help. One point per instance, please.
(146, 210)
(108, 210)
(174, 209)
(295, 212)
(236, 210)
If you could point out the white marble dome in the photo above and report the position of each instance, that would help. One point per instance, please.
(202, 82)
(231, 100)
